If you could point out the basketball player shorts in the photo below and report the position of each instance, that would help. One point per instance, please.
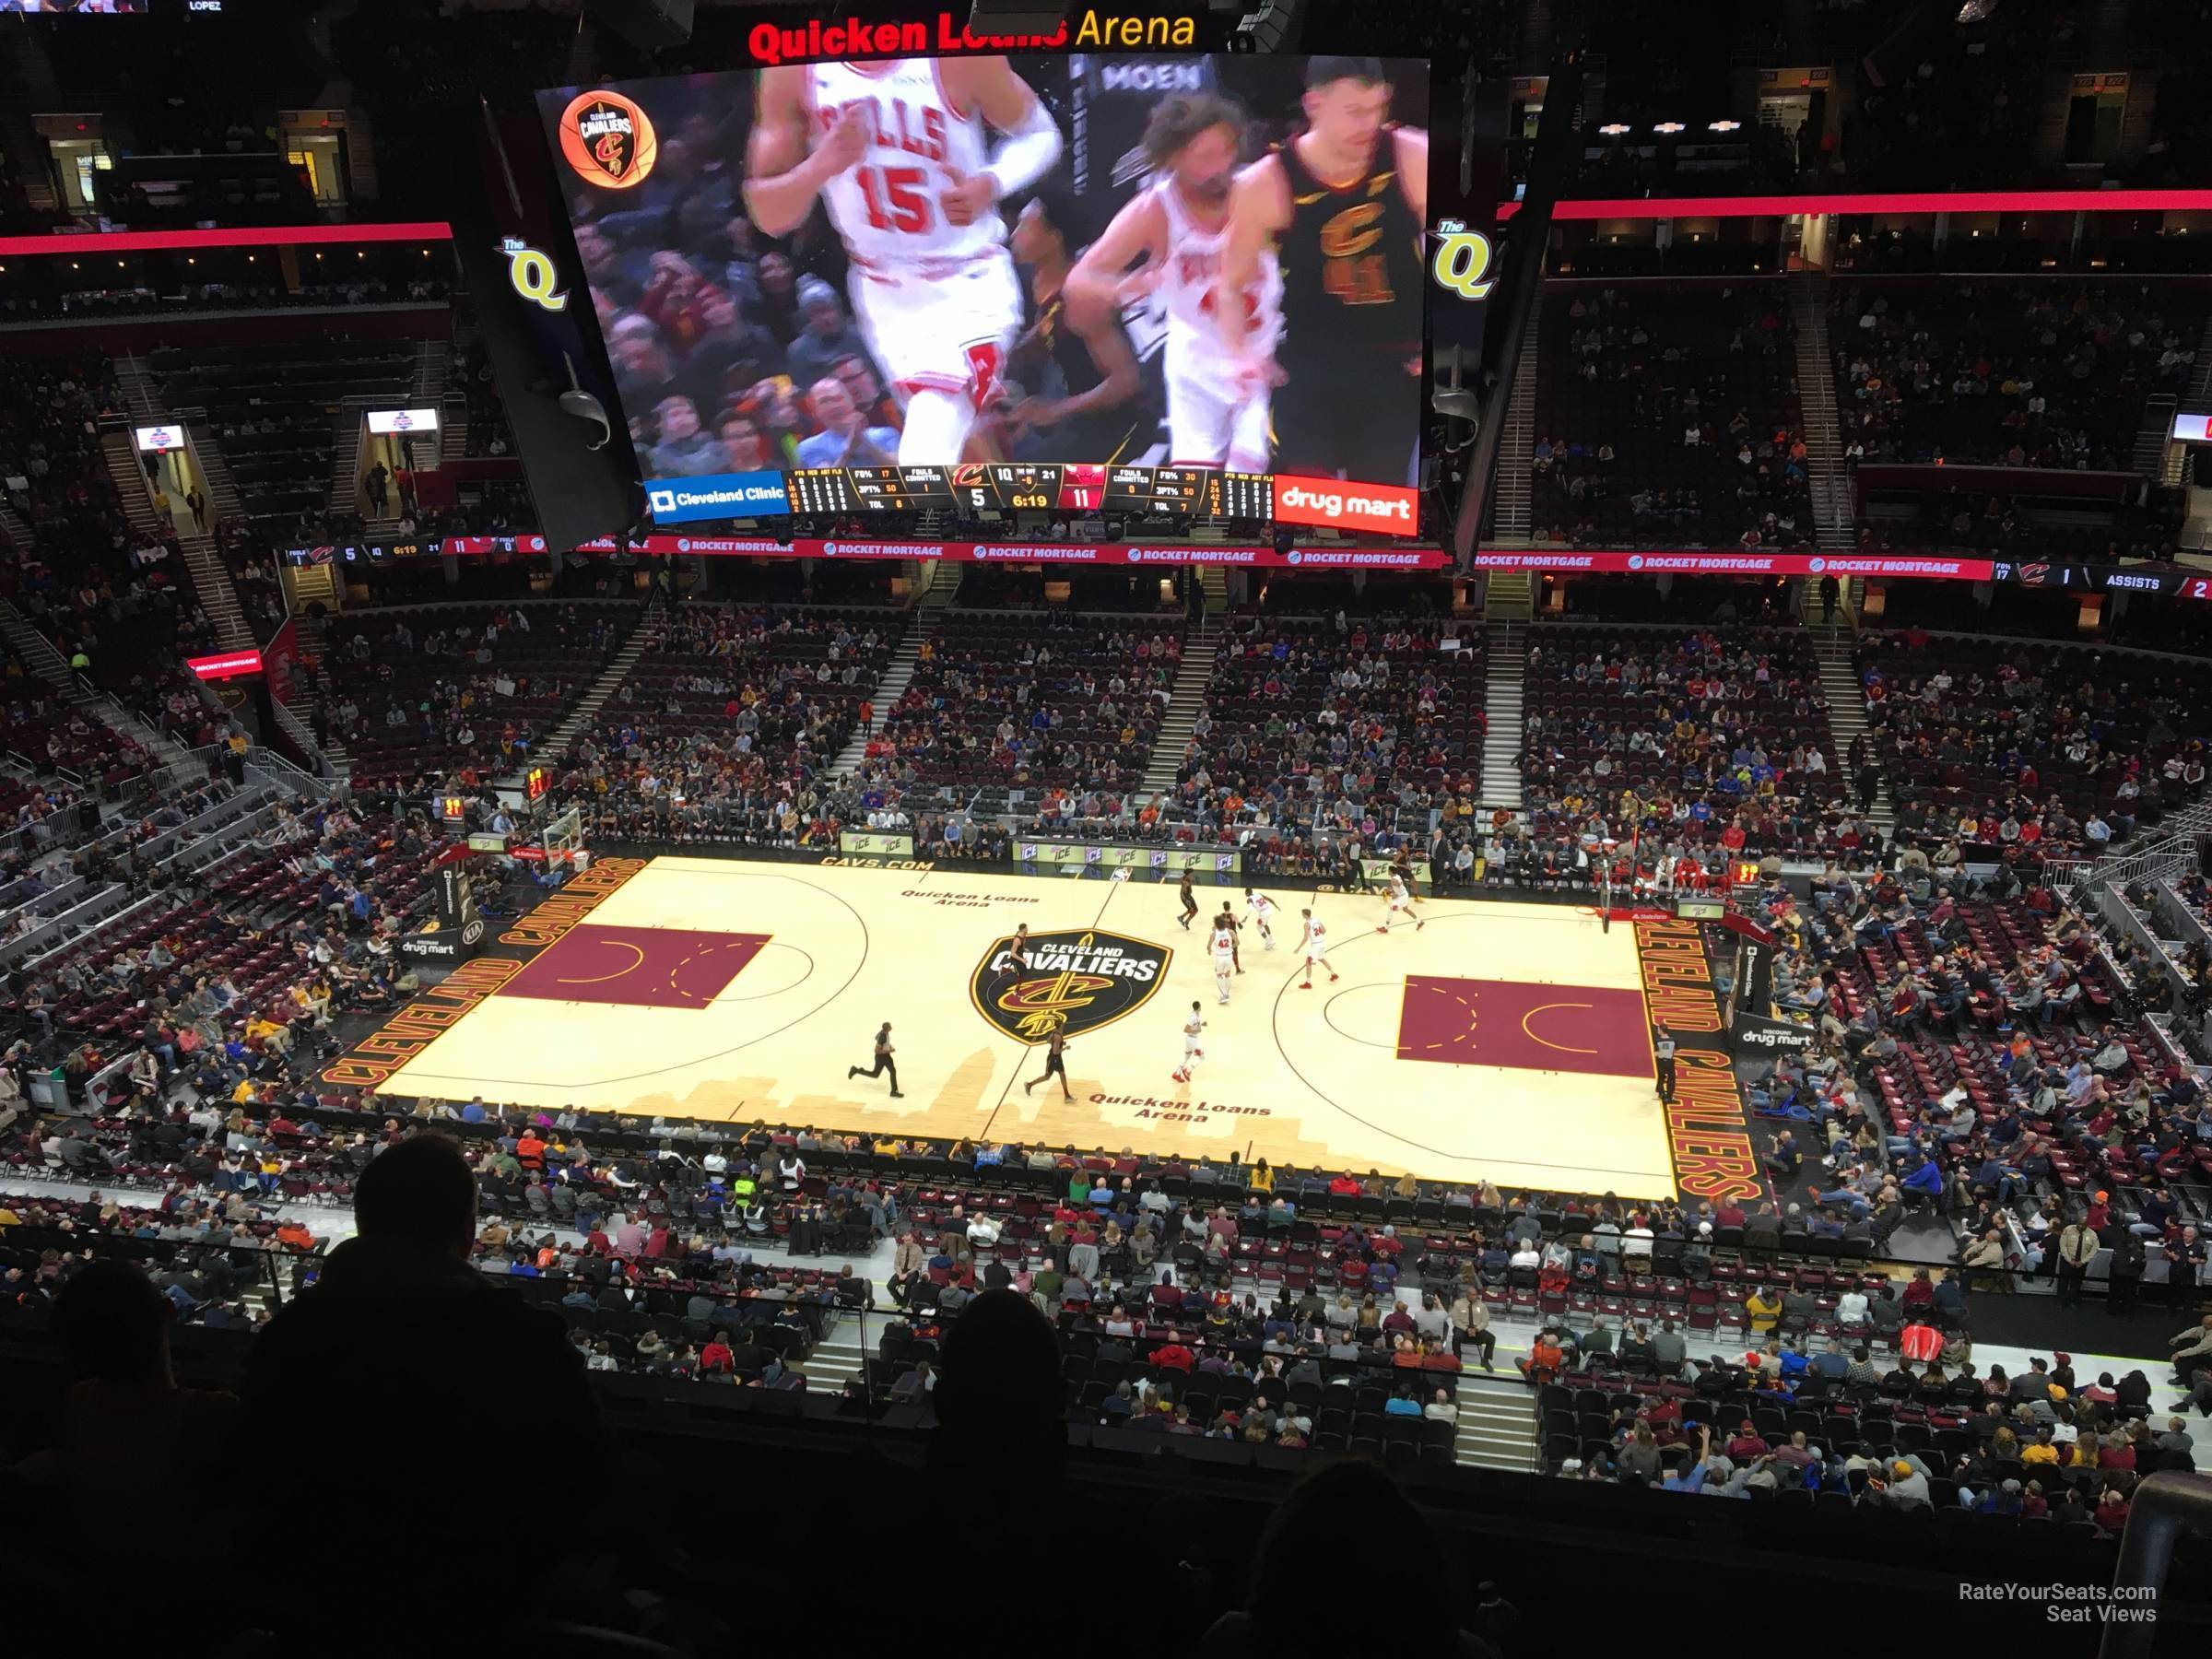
(1213, 421)
(941, 326)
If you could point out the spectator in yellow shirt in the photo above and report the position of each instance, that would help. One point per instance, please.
(1763, 1308)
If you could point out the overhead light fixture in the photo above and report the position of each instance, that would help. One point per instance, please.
(1723, 126)
(1668, 126)
(1614, 129)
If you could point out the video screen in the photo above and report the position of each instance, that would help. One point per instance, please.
(958, 262)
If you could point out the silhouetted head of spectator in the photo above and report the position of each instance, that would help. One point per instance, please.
(1350, 1514)
(114, 1324)
(421, 1194)
(999, 1399)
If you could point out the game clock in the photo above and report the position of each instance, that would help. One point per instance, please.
(1028, 487)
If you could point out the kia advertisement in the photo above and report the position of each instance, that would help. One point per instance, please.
(1091, 259)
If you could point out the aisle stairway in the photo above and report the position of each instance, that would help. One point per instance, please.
(43, 658)
(211, 581)
(312, 644)
(650, 628)
(1497, 1421)
(1504, 709)
(937, 594)
(1512, 485)
(1847, 712)
(1201, 647)
(1835, 512)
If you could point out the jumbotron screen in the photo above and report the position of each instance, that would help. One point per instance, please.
(996, 283)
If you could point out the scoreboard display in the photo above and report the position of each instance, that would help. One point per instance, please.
(900, 489)
(1197, 494)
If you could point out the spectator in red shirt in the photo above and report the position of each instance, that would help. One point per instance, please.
(716, 1358)
(1172, 1356)
(1344, 1186)
(1747, 1444)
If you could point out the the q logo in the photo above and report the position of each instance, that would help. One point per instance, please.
(535, 279)
(1462, 263)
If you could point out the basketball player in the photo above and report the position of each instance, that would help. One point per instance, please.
(1190, 900)
(1192, 1053)
(884, 1050)
(1316, 944)
(1236, 929)
(1056, 1061)
(1342, 206)
(1225, 955)
(1179, 229)
(1101, 413)
(897, 153)
(1017, 962)
(1400, 898)
(1263, 915)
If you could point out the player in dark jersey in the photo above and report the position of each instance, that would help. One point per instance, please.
(1343, 203)
(1086, 398)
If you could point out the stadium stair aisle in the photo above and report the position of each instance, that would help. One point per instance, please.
(43, 658)
(1835, 511)
(1184, 703)
(210, 576)
(649, 629)
(1847, 711)
(1514, 480)
(1503, 712)
(937, 594)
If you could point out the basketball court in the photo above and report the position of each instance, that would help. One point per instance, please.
(1503, 1041)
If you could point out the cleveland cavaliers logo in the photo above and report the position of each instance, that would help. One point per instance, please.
(608, 140)
(1077, 981)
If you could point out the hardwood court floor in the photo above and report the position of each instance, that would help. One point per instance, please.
(1505, 1041)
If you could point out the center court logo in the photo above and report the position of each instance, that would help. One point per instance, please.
(1077, 979)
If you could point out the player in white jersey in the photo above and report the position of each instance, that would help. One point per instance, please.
(1218, 406)
(1225, 955)
(1399, 898)
(1192, 1053)
(1316, 944)
(1263, 915)
(897, 154)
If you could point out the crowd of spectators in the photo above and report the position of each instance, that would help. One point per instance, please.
(1669, 416)
(2023, 755)
(1323, 737)
(1056, 704)
(1702, 746)
(225, 962)
(730, 718)
(459, 694)
(1975, 1055)
(1897, 1420)
(2024, 372)
(169, 298)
